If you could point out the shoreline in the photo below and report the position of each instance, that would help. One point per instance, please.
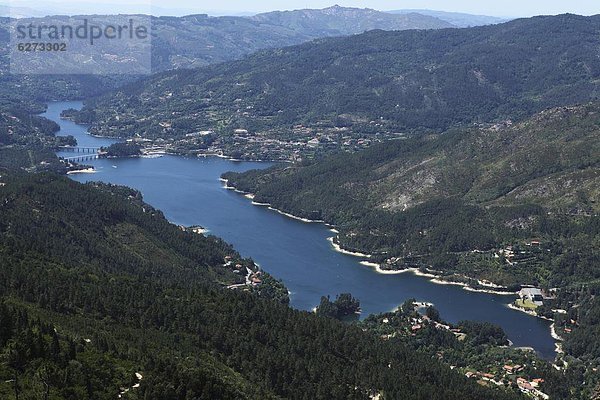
(555, 335)
(340, 249)
(251, 196)
(557, 338)
(434, 278)
(380, 270)
(82, 171)
(532, 313)
(259, 160)
(305, 220)
(528, 312)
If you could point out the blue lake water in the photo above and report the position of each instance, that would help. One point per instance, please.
(189, 192)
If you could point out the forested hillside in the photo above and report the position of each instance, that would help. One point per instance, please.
(192, 41)
(426, 199)
(513, 204)
(102, 296)
(26, 140)
(370, 86)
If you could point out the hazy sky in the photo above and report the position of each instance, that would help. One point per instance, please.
(497, 8)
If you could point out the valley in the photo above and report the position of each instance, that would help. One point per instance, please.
(306, 204)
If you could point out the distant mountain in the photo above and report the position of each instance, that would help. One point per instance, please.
(347, 21)
(197, 40)
(333, 90)
(460, 20)
(20, 12)
(200, 40)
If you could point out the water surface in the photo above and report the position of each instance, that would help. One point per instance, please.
(189, 192)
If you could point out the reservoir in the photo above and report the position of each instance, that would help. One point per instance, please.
(189, 192)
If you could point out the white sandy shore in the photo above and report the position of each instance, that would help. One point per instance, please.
(340, 249)
(418, 272)
(377, 267)
(555, 335)
(256, 203)
(82, 171)
(226, 186)
(308, 221)
(498, 292)
(379, 270)
(434, 278)
(532, 313)
(490, 284)
(558, 345)
(558, 348)
(439, 281)
(269, 206)
(218, 155)
(513, 307)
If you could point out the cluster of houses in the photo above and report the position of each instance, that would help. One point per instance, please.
(418, 323)
(509, 374)
(530, 388)
(253, 278)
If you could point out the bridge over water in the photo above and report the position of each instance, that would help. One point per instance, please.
(74, 149)
(81, 158)
(85, 153)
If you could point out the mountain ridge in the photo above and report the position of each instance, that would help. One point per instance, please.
(461, 20)
(367, 87)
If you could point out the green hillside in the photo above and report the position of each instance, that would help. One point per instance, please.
(513, 204)
(429, 198)
(342, 92)
(99, 287)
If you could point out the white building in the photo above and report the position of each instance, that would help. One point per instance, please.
(532, 294)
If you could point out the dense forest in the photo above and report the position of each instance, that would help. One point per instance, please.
(123, 150)
(343, 306)
(26, 139)
(479, 350)
(430, 198)
(99, 287)
(513, 204)
(390, 82)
